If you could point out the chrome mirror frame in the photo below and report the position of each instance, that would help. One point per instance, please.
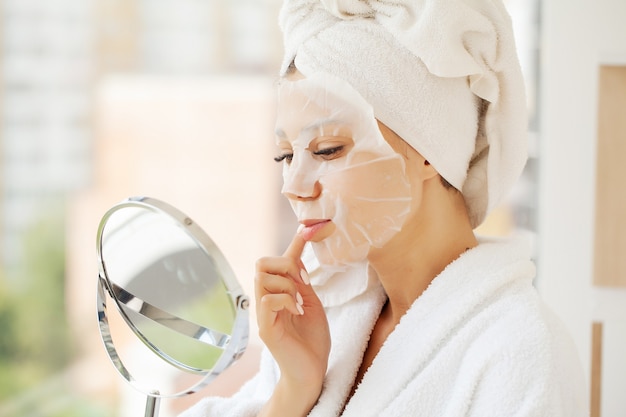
(233, 346)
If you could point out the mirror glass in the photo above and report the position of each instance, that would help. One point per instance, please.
(172, 315)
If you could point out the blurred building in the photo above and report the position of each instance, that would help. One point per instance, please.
(75, 73)
(55, 51)
(45, 135)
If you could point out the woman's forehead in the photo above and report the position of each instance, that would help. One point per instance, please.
(310, 106)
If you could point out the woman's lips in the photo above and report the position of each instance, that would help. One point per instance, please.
(312, 227)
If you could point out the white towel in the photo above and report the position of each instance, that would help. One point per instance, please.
(425, 65)
(478, 342)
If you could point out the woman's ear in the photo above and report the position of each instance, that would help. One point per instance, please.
(414, 159)
(427, 171)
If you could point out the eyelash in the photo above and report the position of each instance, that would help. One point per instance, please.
(328, 151)
(285, 156)
(322, 152)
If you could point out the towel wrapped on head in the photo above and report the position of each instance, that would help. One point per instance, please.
(443, 74)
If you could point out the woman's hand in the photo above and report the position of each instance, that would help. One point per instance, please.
(293, 325)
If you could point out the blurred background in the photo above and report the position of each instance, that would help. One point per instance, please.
(173, 99)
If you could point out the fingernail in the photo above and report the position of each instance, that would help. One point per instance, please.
(299, 299)
(300, 309)
(300, 228)
(305, 277)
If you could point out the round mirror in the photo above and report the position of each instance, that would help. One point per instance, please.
(180, 316)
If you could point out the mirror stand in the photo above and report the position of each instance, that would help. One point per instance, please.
(152, 405)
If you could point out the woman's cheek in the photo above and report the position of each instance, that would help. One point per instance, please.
(371, 202)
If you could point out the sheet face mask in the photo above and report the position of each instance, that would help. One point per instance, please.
(331, 142)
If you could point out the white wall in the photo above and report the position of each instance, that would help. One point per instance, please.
(577, 37)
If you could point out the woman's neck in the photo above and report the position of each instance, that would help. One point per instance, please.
(437, 235)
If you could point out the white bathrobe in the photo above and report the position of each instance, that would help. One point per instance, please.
(477, 343)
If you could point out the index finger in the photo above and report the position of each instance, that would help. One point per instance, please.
(295, 248)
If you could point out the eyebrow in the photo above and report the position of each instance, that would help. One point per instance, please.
(312, 126)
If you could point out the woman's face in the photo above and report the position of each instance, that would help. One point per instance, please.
(345, 183)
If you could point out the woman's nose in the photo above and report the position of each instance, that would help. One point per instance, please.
(311, 194)
(301, 181)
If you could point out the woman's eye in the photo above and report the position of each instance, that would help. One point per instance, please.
(287, 157)
(329, 153)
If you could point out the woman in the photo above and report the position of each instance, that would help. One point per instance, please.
(400, 125)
